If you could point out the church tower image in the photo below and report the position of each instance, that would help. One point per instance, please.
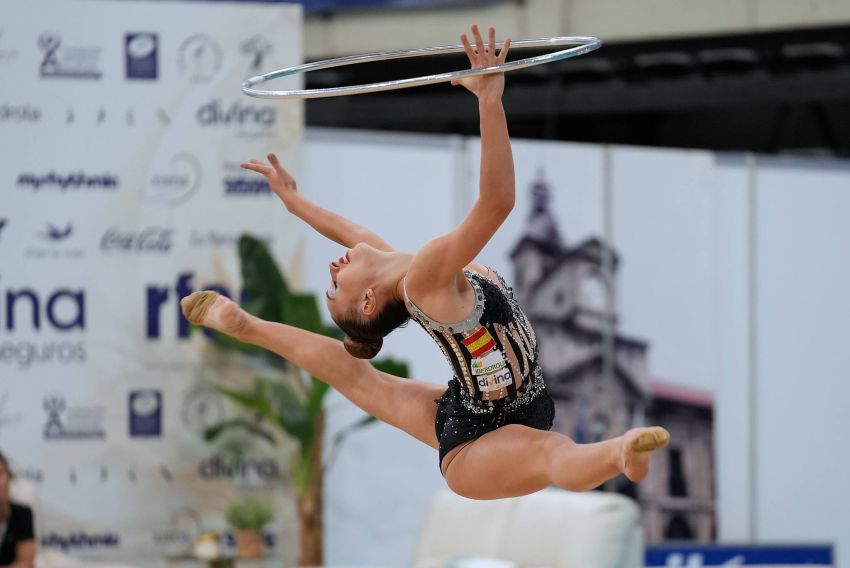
(600, 380)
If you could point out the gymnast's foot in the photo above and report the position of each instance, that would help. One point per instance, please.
(211, 309)
(638, 444)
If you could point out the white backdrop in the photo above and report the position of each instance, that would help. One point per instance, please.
(121, 127)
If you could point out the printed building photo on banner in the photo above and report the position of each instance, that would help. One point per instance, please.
(600, 378)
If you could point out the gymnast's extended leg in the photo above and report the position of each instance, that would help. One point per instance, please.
(407, 404)
(517, 460)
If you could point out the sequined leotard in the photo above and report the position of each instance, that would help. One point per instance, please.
(493, 354)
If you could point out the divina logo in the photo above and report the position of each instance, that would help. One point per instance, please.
(251, 120)
(218, 467)
(161, 297)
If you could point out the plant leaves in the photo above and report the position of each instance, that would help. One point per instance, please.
(291, 412)
(217, 430)
(317, 396)
(302, 311)
(254, 401)
(264, 287)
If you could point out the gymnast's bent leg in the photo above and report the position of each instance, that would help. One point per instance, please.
(407, 404)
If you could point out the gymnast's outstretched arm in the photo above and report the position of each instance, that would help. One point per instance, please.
(329, 224)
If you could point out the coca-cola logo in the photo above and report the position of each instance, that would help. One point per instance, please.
(151, 240)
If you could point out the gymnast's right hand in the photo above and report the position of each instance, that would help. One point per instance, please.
(279, 179)
(483, 55)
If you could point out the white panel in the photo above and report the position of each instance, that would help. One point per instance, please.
(803, 360)
(731, 350)
(663, 212)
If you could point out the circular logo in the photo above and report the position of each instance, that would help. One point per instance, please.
(176, 183)
(199, 58)
(202, 409)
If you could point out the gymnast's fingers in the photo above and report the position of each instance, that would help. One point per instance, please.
(276, 165)
(467, 48)
(255, 167)
(479, 43)
(284, 175)
(503, 53)
(491, 52)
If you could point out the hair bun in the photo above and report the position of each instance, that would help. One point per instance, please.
(362, 348)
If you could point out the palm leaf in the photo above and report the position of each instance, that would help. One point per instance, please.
(265, 289)
(216, 430)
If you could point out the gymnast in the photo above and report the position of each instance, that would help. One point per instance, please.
(491, 426)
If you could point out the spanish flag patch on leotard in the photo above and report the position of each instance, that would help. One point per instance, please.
(479, 342)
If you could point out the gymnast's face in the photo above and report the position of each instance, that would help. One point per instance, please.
(352, 281)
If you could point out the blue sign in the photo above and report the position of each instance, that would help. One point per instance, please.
(140, 51)
(696, 556)
(145, 413)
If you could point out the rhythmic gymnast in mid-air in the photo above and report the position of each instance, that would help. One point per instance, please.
(491, 426)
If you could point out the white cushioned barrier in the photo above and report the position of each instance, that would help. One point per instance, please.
(548, 529)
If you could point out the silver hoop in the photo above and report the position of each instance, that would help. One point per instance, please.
(582, 45)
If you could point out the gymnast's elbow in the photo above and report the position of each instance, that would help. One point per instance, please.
(503, 205)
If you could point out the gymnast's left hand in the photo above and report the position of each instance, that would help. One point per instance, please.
(485, 87)
(281, 182)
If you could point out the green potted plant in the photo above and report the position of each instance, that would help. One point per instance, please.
(291, 405)
(247, 518)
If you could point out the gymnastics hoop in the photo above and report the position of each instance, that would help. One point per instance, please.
(582, 45)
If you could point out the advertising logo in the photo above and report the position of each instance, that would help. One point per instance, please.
(151, 240)
(57, 240)
(175, 183)
(179, 532)
(75, 181)
(60, 311)
(145, 412)
(256, 48)
(19, 113)
(140, 55)
(55, 234)
(72, 423)
(79, 541)
(32, 474)
(245, 186)
(220, 467)
(199, 58)
(3, 223)
(67, 62)
(202, 409)
(213, 238)
(246, 120)
(159, 297)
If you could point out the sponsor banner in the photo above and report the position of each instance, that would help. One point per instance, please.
(776, 556)
(122, 134)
